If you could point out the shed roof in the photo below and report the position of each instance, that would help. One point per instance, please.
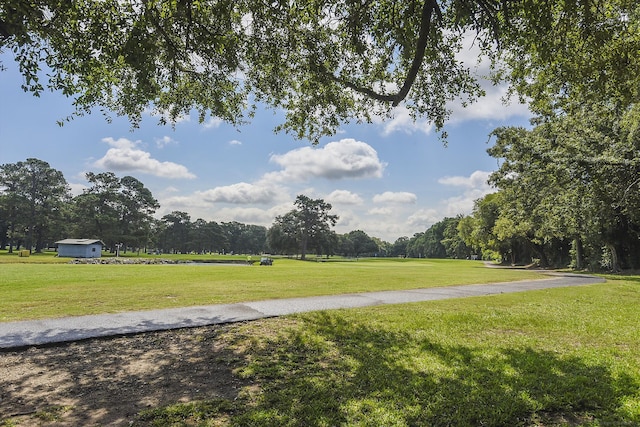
(79, 242)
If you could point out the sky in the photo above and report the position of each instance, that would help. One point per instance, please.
(389, 179)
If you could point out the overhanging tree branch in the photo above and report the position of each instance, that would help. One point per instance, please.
(430, 6)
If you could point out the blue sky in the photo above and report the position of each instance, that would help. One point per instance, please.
(389, 179)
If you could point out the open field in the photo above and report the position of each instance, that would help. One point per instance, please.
(39, 290)
(558, 357)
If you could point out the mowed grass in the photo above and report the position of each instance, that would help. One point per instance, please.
(33, 290)
(558, 357)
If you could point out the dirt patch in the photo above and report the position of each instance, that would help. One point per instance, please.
(108, 381)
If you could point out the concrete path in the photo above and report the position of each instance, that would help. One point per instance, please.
(15, 335)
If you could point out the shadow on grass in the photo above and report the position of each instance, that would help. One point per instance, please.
(335, 373)
(109, 381)
(632, 278)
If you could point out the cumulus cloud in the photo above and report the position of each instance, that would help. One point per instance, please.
(235, 142)
(478, 179)
(76, 188)
(424, 218)
(164, 141)
(342, 159)
(125, 156)
(344, 197)
(401, 121)
(400, 197)
(212, 123)
(380, 211)
(492, 106)
(463, 204)
(241, 193)
(171, 189)
(475, 186)
(248, 215)
(182, 203)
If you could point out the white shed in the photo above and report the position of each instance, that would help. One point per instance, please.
(80, 248)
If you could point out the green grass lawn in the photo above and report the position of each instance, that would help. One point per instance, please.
(39, 290)
(558, 357)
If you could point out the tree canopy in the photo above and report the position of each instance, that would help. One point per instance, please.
(324, 62)
(308, 226)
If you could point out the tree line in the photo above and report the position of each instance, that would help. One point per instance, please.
(559, 203)
(37, 209)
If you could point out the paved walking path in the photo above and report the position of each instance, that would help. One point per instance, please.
(47, 331)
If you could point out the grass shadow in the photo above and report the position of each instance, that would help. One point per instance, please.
(110, 381)
(332, 372)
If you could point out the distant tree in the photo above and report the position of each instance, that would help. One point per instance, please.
(383, 246)
(96, 213)
(244, 238)
(207, 236)
(11, 202)
(137, 206)
(399, 247)
(345, 245)
(176, 232)
(478, 229)
(415, 246)
(309, 225)
(441, 240)
(32, 199)
(454, 244)
(327, 244)
(360, 243)
(116, 210)
(282, 236)
(313, 220)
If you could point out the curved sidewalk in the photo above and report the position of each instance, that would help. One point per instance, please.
(15, 335)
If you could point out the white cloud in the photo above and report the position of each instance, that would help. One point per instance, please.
(385, 224)
(199, 208)
(400, 197)
(344, 197)
(235, 142)
(124, 156)
(77, 189)
(241, 193)
(164, 141)
(463, 204)
(171, 189)
(492, 106)
(475, 186)
(380, 211)
(401, 121)
(182, 203)
(342, 159)
(212, 123)
(478, 179)
(250, 215)
(424, 218)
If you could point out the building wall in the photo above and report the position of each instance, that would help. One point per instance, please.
(80, 251)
